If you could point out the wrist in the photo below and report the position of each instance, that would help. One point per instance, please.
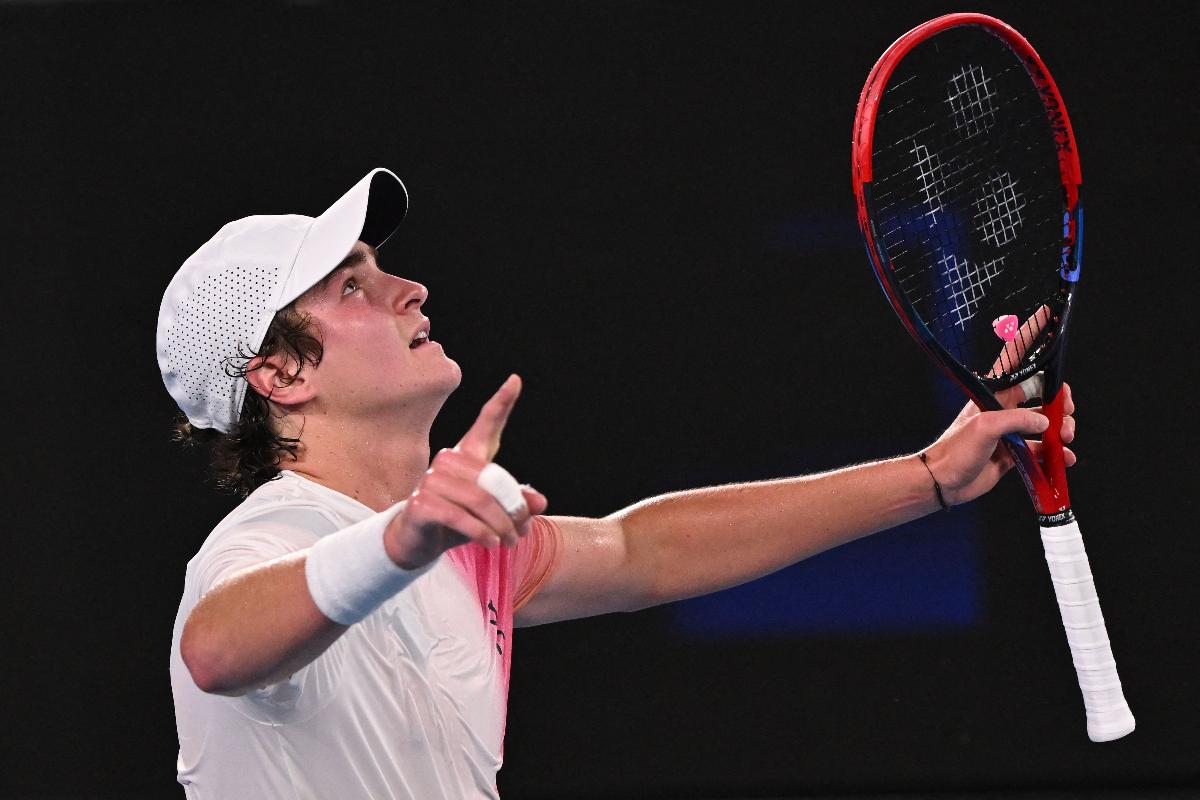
(938, 493)
(402, 552)
(350, 573)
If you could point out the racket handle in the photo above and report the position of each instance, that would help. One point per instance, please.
(1108, 715)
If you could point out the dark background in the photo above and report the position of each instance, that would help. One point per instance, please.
(645, 210)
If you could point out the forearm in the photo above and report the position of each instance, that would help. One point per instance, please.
(690, 543)
(257, 627)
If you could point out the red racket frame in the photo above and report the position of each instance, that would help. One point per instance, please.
(1047, 486)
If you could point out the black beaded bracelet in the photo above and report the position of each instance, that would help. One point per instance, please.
(936, 486)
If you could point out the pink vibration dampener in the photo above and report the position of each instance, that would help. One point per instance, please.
(1006, 327)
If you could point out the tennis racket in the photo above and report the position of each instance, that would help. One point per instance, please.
(967, 181)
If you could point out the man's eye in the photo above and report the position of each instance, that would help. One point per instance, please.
(351, 282)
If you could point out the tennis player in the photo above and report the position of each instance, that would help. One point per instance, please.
(347, 630)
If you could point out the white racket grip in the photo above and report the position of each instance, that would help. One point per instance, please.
(1108, 715)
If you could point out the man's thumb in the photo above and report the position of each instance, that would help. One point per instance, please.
(1018, 420)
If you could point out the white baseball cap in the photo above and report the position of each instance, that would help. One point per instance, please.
(220, 303)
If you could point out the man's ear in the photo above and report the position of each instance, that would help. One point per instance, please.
(275, 377)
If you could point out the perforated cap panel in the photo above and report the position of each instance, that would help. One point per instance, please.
(227, 307)
(217, 310)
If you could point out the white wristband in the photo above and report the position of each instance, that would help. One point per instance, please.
(504, 487)
(349, 573)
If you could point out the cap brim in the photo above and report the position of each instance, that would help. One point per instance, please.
(371, 211)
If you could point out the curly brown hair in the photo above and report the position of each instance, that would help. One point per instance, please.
(249, 455)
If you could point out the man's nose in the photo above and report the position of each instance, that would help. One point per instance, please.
(411, 295)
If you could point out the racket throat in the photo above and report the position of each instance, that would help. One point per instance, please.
(1053, 460)
(1058, 519)
(1046, 482)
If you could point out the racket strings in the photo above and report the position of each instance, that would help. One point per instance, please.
(963, 169)
(969, 201)
(917, 189)
(917, 106)
(899, 241)
(972, 101)
(932, 249)
(965, 189)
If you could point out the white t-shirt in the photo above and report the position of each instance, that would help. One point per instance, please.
(408, 703)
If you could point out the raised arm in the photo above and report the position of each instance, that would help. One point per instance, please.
(255, 628)
(690, 543)
(263, 623)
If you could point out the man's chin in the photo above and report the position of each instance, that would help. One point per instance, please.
(456, 377)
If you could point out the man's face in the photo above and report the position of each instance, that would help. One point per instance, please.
(367, 320)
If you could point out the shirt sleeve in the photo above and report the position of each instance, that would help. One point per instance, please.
(535, 558)
(259, 539)
(250, 542)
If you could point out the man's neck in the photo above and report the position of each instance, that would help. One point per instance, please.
(377, 469)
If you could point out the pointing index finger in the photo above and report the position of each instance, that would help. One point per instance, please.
(482, 441)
